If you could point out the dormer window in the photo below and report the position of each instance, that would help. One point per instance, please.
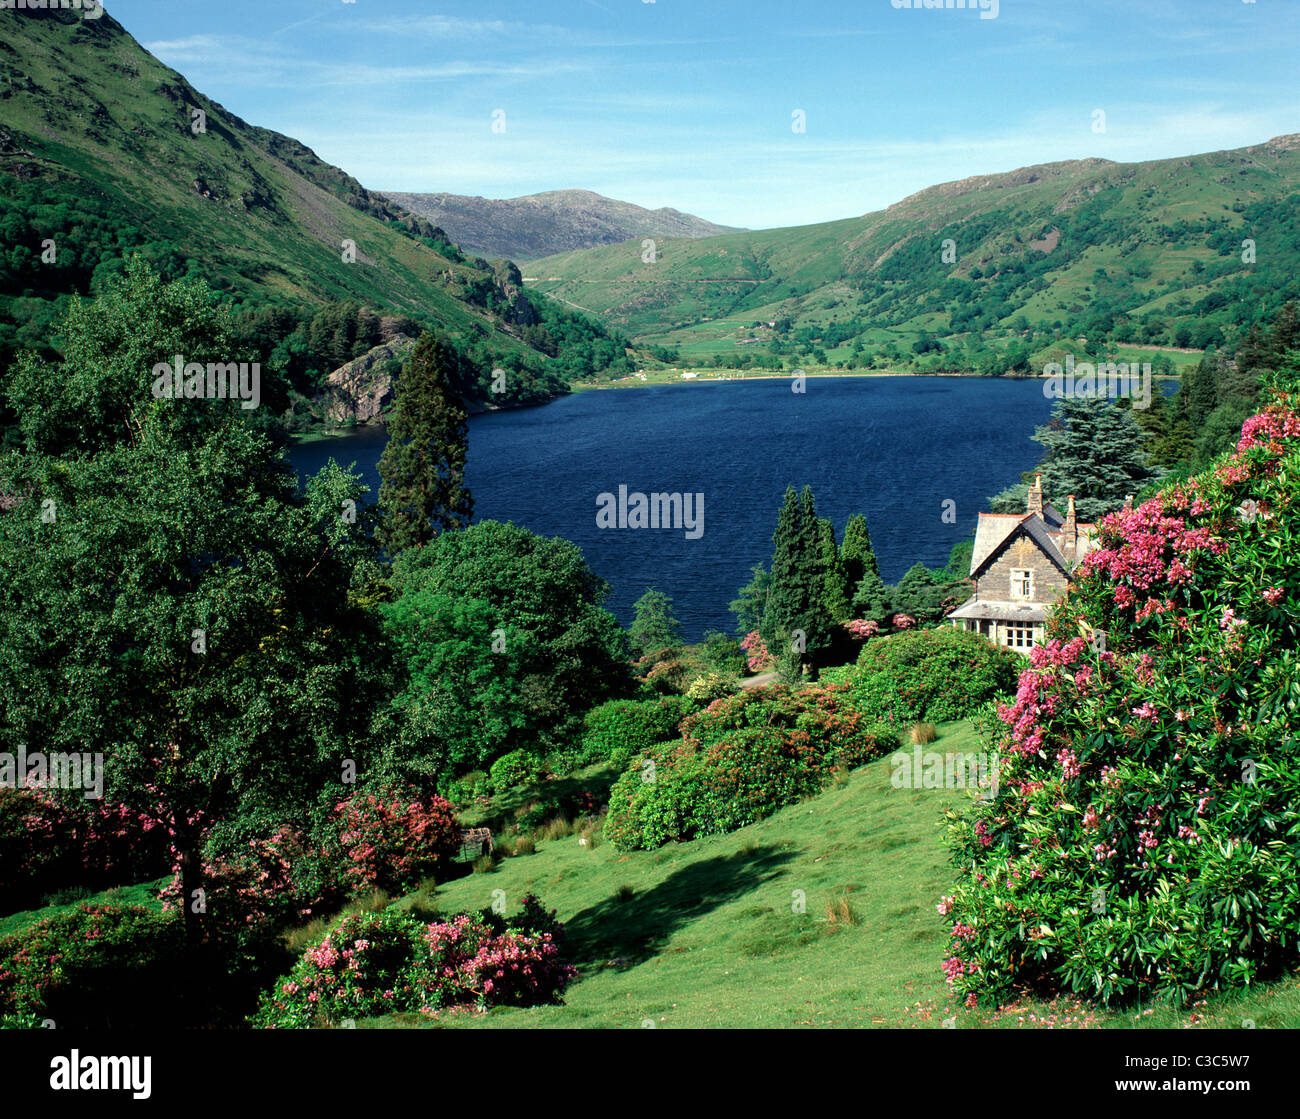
(1022, 583)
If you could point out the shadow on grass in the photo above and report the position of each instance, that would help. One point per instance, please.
(628, 929)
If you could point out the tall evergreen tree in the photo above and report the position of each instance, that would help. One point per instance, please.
(855, 553)
(655, 626)
(795, 596)
(784, 598)
(748, 605)
(835, 591)
(1095, 450)
(871, 598)
(423, 466)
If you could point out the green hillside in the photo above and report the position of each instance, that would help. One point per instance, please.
(1149, 254)
(104, 152)
(705, 934)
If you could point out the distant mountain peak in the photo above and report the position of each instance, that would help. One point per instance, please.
(550, 222)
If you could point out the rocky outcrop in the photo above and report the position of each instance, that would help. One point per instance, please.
(363, 389)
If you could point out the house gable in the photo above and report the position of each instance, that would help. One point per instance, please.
(1023, 552)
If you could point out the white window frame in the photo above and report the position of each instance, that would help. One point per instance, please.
(1022, 577)
(1018, 635)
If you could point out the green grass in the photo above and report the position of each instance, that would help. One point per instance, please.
(143, 893)
(705, 934)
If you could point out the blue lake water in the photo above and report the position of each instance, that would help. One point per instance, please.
(892, 448)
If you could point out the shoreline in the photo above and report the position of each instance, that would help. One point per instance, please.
(635, 382)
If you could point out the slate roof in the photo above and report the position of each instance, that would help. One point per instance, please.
(1001, 611)
(995, 529)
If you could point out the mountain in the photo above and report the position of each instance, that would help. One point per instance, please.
(1144, 253)
(104, 152)
(556, 221)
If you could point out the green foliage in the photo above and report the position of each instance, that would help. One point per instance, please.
(165, 592)
(835, 589)
(1096, 451)
(739, 761)
(557, 649)
(932, 675)
(617, 731)
(749, 604)
(423, 465)
(513, 770)
(722, 652)
(655, 626)
(856, 553)
(97, 967)
(1135, 849)
(796, 599)
(463, 702)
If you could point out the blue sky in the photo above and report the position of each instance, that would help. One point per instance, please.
(689, 103)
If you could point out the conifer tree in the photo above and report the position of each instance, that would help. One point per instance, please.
(655, 626)
(1095, 450)
(798, 578)
(855, 553)
(835, 591)
(871, 598)
(748, 605)
(422, 468)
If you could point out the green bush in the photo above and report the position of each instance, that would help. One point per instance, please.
(932, 675)
(94, 967)
(740, 760)
(512, 770)
(617, 731)
(712, 685)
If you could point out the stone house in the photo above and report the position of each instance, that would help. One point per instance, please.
(1021, 565)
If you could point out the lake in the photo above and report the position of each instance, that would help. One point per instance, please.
(892, 448)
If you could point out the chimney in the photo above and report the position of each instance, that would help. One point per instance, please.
(1036, 495)
(1070, 533)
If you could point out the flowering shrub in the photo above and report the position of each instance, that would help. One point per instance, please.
(391, 961)
(712, 685)
(862, 628)
(50, 841)
(94, 966)
(739, 760)
(617, 731)
(252, 894)
(393, 838)
(931, 675)
(1137, 845)
(759, 659)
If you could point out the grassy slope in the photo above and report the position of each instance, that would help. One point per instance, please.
(707, 936)
(83, 101)
(811, 272)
